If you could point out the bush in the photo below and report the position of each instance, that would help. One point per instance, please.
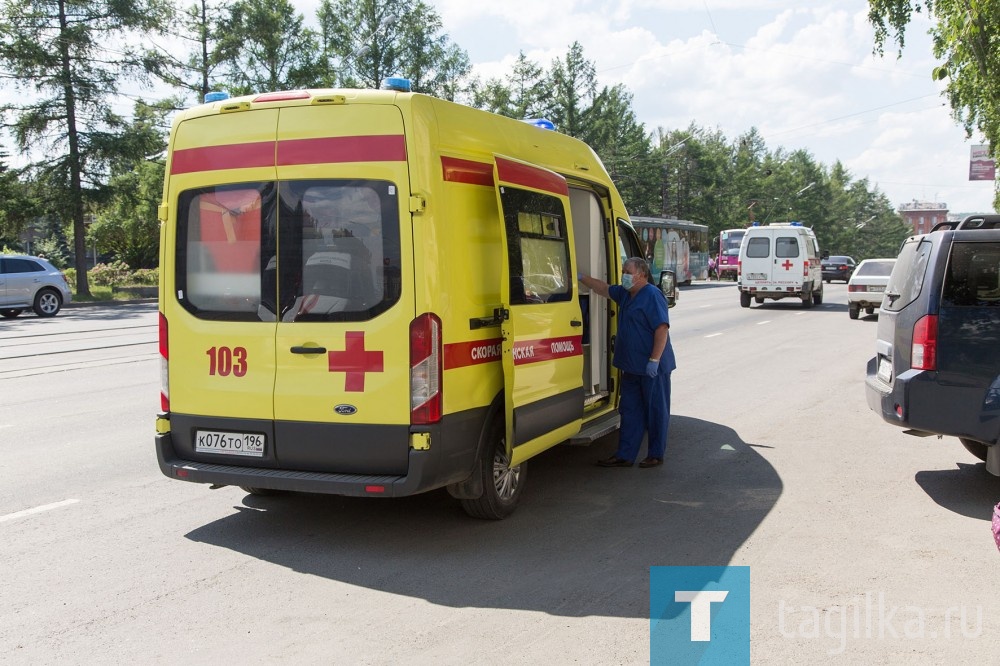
(146, 276)
(109, 275)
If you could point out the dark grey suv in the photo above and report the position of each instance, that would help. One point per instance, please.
(937, 364)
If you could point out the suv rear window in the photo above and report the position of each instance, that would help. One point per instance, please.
(973, 275)
(908, 274)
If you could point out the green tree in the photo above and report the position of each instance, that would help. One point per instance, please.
(195, 71)
(572, 88)
(127, 225)
(366, 41)
(965, 36)
(18, 203)
(53, 51)
(522, 94)
(617, 136)
(263, 46)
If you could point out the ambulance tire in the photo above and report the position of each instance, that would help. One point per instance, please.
(502, 486)
(744, 299)
(818, 296)
(261, 492)
(807, 299)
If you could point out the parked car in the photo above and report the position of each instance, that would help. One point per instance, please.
(866, 287)
(31, 282)
(936, 369)
(837, 267)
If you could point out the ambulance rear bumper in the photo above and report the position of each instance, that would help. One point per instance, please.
(425, 471)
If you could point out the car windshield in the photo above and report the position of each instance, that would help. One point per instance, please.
(907, 277)
(875, 268)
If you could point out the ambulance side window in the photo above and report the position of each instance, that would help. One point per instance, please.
(225, 244)
(538, 247)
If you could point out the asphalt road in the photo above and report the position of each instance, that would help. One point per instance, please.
(865, 545)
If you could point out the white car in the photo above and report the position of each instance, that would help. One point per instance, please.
(31, 282)
(866, 287)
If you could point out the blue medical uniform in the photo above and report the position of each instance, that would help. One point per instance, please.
(645, 401)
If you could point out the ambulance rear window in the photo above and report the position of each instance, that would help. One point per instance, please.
(316, 250)
(222, 248)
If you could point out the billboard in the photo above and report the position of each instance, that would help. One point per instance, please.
(981, 165)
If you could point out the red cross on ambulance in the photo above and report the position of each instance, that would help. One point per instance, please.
(787, 265)
(355, 361)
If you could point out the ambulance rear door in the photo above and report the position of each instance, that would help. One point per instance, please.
(542, 323)
(216, 275)
(341, 391)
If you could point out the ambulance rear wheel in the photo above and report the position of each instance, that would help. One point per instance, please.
(502, 484)
(744, 299)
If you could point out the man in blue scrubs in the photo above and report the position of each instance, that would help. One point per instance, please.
(646, 358)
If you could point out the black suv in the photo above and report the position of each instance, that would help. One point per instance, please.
(837, 267)
(936, 368)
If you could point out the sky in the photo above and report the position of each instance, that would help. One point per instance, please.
(804, 76)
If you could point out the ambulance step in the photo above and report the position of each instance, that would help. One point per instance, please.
(595, 398)
(599, 428)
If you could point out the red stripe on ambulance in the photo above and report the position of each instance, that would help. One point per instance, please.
(335, 149)
(215, 158)
(323, 150)
(464, 354)
(517, 173)
(454, 170)
(550, 349)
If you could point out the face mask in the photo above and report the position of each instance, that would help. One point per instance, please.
(627, 281)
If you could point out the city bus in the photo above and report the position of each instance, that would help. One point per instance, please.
(729, 252)
(676, 245)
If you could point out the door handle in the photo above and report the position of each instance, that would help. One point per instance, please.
(575, 323)
(308, 350)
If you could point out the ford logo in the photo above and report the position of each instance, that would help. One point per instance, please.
(345, 410)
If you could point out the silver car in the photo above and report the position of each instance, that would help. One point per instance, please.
(31, 282)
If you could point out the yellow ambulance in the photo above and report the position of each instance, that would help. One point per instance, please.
(374, 293)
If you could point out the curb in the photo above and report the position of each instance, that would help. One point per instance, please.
(84, 304)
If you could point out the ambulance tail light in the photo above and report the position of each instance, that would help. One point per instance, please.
(805, 268)
(425, 369)
(164, 357)
(923, 351)
(739, 268)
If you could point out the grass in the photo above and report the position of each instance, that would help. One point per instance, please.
(98, 294)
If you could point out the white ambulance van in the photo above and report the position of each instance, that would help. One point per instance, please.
(374, 293)
(780, 261)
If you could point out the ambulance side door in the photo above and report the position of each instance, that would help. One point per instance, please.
(542, 324)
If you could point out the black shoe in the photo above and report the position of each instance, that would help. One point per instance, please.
(614, 461)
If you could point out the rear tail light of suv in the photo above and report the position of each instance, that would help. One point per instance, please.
(923, 351)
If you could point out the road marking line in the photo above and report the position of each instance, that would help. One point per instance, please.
(712, 335)
(766, 321)
(37, 509)
(705, 306)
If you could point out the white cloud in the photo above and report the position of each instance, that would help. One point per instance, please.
(805, 77)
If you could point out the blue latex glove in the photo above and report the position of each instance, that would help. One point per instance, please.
(652, 367)
(579, 276)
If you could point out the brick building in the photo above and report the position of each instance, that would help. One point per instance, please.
(923, 215)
